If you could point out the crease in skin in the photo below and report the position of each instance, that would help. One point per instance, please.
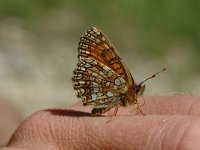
(95, 132)
(69, 132)
(42, 128)
(52, 128)
(188, 136)
(61, 145)
(175, 132)
(86, 135)
(74, 133)
(193, 107)
(23, 133)
(186, 106)
(155, 134)
(166, 134)
(180, 107)
(83, 134)
(131, 125)
(45, 130)
(170, 105)
(179, 145)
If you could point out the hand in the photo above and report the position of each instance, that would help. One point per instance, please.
(171, 123)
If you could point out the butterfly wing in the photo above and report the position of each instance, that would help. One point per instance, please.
(94, 44)
(97, 84)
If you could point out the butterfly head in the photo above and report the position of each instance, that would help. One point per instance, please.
(139, 89)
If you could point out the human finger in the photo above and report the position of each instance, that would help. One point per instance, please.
(72, 129)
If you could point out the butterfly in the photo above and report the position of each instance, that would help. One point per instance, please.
(101, 78)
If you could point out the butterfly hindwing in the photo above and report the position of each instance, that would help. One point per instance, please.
(96, 83)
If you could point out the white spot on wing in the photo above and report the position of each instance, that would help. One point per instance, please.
(101, 73)
(107, 84)
(87, 65)
(109, 74)
(117, 81)
(94, 96)
(109, 94)
(114, 87)
(94, 74)
(92, 78)
(95, 84)
(96, 90)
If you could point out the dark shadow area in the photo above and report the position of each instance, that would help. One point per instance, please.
(69, 112)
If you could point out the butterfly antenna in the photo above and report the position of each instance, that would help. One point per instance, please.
(154, 75)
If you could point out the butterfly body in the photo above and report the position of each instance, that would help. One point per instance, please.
(101, 78)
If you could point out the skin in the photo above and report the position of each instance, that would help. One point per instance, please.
(170, 123)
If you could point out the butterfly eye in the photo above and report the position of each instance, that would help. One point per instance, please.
(139, 89)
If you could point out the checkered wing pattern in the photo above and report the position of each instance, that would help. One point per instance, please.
(97, 84)
(94, 44)
(101, 78)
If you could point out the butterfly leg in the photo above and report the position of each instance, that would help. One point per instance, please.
(138, 107)
(139, 110)
(116, 110)
(115, 113)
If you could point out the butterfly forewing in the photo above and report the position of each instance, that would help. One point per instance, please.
(95, 44)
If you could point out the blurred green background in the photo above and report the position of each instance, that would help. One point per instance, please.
(39, 40)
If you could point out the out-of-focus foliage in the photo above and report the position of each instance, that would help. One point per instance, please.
(159, 23)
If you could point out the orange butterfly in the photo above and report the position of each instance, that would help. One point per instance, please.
(101, 78)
